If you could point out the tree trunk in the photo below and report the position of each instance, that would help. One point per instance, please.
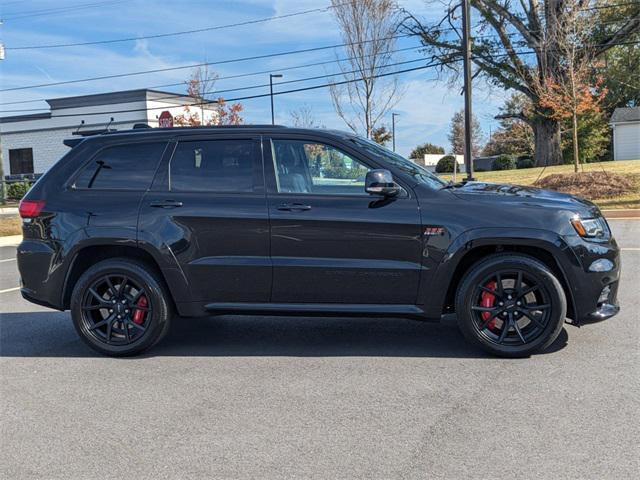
(546, 134)
(576, 153)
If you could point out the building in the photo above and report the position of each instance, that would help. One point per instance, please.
(430, 161)
(625, 123)
(33, 143)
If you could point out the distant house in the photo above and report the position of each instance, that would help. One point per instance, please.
(430, 160)
(33, 143)
(625, 123)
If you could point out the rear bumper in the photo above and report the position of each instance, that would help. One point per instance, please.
(41, 278)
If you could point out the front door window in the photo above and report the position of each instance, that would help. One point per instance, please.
(315, 168)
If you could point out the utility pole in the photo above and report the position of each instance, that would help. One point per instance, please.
(271, 77)
(468, 114)
(393, 129)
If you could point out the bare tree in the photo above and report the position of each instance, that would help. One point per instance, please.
(368, 28)
(303, 117)
(200, 85)
(519, 47)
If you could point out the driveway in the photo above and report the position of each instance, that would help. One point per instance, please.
(253, 397)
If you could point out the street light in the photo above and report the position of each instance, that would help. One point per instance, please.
(393, 129)
(271, 77)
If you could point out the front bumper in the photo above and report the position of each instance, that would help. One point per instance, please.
(595, 293)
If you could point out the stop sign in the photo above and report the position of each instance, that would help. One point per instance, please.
(165, 120)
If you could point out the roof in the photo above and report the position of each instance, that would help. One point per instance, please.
(124, 96)
(24, 118)
(626, 114)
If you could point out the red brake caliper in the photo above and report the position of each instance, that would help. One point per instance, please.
(487, 300)
(138, 315)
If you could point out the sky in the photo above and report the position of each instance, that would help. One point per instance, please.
(425, 108)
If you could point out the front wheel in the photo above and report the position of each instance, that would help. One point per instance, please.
(510, 305)
(119, 307)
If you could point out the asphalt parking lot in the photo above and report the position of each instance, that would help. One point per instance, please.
(247, 397)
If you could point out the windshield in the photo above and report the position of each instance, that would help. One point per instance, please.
(420, 174)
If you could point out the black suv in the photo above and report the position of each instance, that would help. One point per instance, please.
(132, 226)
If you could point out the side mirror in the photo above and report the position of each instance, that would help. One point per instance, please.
(380, 182)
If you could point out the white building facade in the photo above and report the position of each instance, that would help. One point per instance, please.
(625, 123)
(33, 143)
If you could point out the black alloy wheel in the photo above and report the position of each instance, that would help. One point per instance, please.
(116, 310)
(120, 307)
(511, 305)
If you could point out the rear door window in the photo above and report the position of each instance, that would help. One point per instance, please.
(122, 167)
(216, 166)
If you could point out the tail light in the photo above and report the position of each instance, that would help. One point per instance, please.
(30, 208)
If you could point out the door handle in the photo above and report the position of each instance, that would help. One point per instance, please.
(166, 204)
(294, 207)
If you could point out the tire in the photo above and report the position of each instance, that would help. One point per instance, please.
(120, 307)
(513, 291)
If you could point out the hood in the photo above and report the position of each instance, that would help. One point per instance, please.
(524, 196)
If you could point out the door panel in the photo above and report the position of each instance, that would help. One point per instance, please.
(210, 216)
(342, 247)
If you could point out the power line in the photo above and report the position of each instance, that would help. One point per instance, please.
(55, 11)
(302, 89)
(172, 34)
(183, 67)
(306, 79)
(252, 87)
(241, 75)
(250, 97)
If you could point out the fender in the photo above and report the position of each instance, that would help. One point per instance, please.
(167, 262)
(436, 288)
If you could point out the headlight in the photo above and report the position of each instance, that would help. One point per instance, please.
(590, 227)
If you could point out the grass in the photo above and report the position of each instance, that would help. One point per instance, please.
(10, 225)
(527, 176)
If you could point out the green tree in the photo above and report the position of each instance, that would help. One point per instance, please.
(594, 137)
(619, 66)
(420, 151)
(519, 48)
(456, 134)
(515, 135)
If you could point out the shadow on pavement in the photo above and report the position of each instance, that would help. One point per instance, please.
(51, 334)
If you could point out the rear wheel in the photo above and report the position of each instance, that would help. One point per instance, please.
(511, 305)
(119, 307)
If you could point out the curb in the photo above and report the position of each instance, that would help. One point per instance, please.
(8, 210)
(10, 240)
(627, 213)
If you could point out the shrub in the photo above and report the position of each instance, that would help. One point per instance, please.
(17, 190)
(446, 163)
(504, 162)
(525, 162)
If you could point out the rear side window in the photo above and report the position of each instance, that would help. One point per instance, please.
(122, 167)
(215, 166)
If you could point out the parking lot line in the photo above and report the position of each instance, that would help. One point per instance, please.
(13, 259)
(7, 290)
